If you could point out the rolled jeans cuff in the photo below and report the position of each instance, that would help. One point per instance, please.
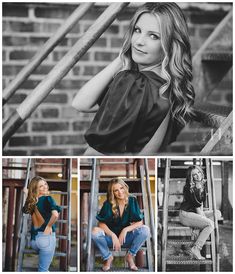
(107, 257)
(131, 252)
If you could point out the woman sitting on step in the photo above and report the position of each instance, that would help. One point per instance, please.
(120, 225)
(191, 210)
(145, 96)
(45, 213)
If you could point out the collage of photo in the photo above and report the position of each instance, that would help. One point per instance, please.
(117, 138)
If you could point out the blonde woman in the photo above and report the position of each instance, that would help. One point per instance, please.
(145, 96)
(191, 209)
(45, 213)
(120, 225)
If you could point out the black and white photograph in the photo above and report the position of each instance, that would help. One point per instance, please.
(117, 78)
(195, 214)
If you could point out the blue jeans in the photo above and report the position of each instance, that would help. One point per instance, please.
(204, 223)
(134, 240)
(45, 246)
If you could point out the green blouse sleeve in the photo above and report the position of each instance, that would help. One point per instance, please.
(52, 204)
(105, 214)
(135, 213)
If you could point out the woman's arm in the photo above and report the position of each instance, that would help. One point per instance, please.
(116, 243)
(200, 211)
(53, 219)
(86, 98)
(129, 228)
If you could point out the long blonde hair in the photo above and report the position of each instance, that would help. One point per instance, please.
(32, 197)
(189, 178)
(111, 197)
(176, 67)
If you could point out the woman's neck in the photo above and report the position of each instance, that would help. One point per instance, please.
(155, 68)
(121, 202)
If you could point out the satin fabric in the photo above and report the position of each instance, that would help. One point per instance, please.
(130, 112)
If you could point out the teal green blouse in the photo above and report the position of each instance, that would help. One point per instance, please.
(45, 206)
(131, 214)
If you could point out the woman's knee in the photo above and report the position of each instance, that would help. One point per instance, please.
(144, 231)
(218, 214)
(96, 231)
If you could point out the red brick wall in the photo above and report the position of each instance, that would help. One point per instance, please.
(55, 128)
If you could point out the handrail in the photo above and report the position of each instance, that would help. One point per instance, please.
(215, 217)
(217, 135)
(34, 99)
(45, 50)
(23, 226)
(91, 212)
(152, 226)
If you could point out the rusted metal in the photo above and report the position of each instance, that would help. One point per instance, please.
(45, 50)
(9, 239)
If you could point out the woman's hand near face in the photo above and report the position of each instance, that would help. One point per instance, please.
(48, 230)
(116, 242)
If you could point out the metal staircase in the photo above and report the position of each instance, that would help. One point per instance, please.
(176, 239)
(62, 188)
(140, 187)
(211, 63)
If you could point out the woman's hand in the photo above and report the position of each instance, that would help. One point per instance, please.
(122, 236)
(116, 242)
(48, 230)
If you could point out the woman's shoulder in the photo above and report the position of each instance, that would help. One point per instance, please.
(132, 199)
(143, 75)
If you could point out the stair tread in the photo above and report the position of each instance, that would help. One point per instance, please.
(211, 114)
(186, 260)
(226, 56)
(183, 242)
(121, 269)
(57, 254)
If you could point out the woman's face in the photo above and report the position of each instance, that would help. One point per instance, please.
(146, 46)
(42, 188)
(197, 175)
(119, 191)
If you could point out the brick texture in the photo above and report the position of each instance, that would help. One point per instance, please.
(55, 128)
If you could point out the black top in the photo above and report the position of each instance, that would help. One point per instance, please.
(131, 214)
(193, 198)
(130, 113)
(45, 205)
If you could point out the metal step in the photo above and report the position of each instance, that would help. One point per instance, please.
(58, 192)
(217, 56)
(183, 242)
(57, 254)
(211, 115)
(186, 260)
(121, 269)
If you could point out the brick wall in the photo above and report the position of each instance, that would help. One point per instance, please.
(55, 128)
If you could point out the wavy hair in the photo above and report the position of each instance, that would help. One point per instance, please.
(176, 67)
(189, 178)
(32, 197)
(111, 197)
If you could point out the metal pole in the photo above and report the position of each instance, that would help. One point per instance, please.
(45, 50)
(152, 226)
(28, 106)
(91, 212)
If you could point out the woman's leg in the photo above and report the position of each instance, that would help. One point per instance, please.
(134, 241)
(46, 245)
(206, 225)
(210, 214)
(136, 238)
(102, 242)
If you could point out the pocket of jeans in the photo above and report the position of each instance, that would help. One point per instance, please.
(43, 241)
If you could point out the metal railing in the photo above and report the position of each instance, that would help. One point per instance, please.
(34, 99)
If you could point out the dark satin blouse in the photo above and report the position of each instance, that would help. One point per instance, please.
(45, 205)
(193, 198)
(130, 113)
(131, 214)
